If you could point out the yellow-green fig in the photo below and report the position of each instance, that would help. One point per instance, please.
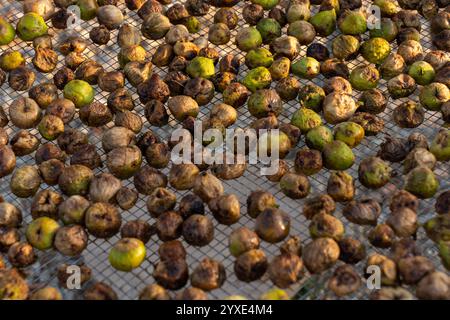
(41, 232)
(127, 254)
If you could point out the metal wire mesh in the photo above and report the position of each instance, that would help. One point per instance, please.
(128, 285)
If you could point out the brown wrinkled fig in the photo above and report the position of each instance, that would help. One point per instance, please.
(285, 270)
(198, 230)
(149, 6)
(208, 275)
(363, 212)
(8, 236)
(88, 156)
(258, 201)
(62, 77)
(10, 215)
(160, 201)
(23, 143)
(120, 100)
(404, 222)
(325, 225)
(147, 139)
(225, 209)
(211, 53)
(95, 114)
(103, 220)
(176, 80)
(252, 13)
(104, 187)
(156, 113)
(207, 186)
(177, 13)
(351, 250)
(434, 286)
(21, 79)
(158, 155)
(117, 137)
(129, 120)
(126, 198)
(73, 60)
(242, 240)
(442, 204)
(371, 123)
(200, 89)
(229, 171)
(71, 240)
(3, 137)
(7, 161)
(71, 139)
(308, 161)
(229, 63)
(73, 44)
(172, 250)
(3, 117)
(191, 204)
(89, 71)
(147, 179)
(391, 293)
(171, 274)
(320, 254)
(417, 140)
(169, 226)
(21, 255)
(251, 265)
(408, 115)
(344, 281)
(153, 291)
(338, 84)
(100, 291)
(404, 248)
(153, 88)
(100, 35)
(62, 108)
(192, 294)
(381, 236)
(393, 149)
(273, 225)
(334, 68)
(293, 245)
(45, 204)
(59, 18)
(403, 199)
(45, 59)
(178, 63)
(138, 229)
(411, 270)
(111, 81)
(341, 186)
(318, 204)
(44, 94)
(49, 151)
(197, 7)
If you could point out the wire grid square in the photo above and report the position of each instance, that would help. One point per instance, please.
(128, 285)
